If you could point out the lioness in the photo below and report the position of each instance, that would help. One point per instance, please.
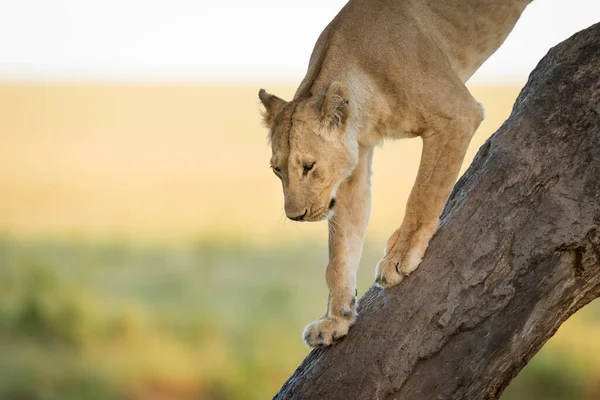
(381, 69)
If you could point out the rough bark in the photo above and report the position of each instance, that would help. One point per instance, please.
(517, 253)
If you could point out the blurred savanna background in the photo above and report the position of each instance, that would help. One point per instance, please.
(144, 251)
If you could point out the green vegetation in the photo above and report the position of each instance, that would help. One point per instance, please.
(214, 321)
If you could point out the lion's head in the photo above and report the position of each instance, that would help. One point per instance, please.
(313, 150)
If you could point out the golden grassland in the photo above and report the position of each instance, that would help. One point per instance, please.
(99, 188)
(169, 162)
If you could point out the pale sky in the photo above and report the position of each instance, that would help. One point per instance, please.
(228, 41)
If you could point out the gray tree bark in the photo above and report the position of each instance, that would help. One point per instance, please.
(516, 254)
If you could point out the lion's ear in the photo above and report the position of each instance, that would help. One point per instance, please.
(335, 109)
(273, 106)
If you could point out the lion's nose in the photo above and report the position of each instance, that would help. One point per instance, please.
(298, 217)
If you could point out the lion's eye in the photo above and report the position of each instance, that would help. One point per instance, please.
(277, 171)
(307, 168)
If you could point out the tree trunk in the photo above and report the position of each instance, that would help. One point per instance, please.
(516, 254)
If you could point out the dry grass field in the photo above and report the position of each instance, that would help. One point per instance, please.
(168, 163)
(144, 252)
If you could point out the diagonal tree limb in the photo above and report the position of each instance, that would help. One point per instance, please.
(516, 254)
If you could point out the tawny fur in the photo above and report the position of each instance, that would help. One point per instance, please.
(381, 69)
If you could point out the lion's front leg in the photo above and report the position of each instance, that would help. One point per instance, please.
(347, 228)
(441, 160)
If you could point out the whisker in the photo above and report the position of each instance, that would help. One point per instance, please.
(333, 226)
(282, 219)
(332, 230)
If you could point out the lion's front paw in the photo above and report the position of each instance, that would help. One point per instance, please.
(388, 272)
(393, 267)
(326, 331)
